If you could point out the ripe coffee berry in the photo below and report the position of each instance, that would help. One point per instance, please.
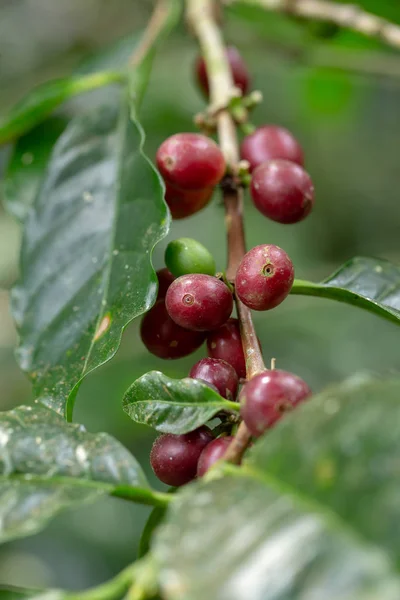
(225, 343)
(191, 161)
(240, 74)
(164, 338)
(199, 302)
(174, 458)
(184, 203)
(267, 396)
(165, 278)
(269, 143)
(219, 373)
(264, 277)
(185, 256)
(282, 191)
(211, 453)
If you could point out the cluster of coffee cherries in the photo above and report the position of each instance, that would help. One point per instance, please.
(195, 304)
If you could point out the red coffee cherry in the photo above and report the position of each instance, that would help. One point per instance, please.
(199, 302)
(225, 343)
(282, 191)
(264, 277)
(174, 458)
(269, 143)
(211, 453)
(184, 203)
(218, 373)
(165, 278)
(267, 396)
(164, 338)
(238, 67)
(191, 161)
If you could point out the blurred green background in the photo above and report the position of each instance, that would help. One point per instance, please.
(340, 95)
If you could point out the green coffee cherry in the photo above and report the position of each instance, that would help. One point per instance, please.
(185, 256)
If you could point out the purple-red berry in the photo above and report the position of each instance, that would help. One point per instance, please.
(214, 451)
(269, 143)
(174, 458)
(226, 344)
(164, 338)
(184, 203)
(199, 302)
(264, 277)
(282, 191)
(191, 161)
(165, 278)
(218, 373)
(240, 73)
(267, 396)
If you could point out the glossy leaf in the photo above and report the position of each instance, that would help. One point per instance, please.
(44, 99)
(314, 512)
(47, 465)
(173, 405)
(369, 283)
(86, 256)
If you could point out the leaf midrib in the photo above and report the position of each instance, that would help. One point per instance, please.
(196, 404)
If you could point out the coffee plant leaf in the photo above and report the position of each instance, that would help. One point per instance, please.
(173, 405)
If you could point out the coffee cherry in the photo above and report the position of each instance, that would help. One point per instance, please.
(164, 338)
(184, 203)
(165, 278)
(225, 343)
(264, 277)
(191, 161)
(185, 256)
(199, 302)
(268, 143)
(174, 458)
(211, 453)
(282, 191)
(240, 74)
(219, 373)
(267, 396)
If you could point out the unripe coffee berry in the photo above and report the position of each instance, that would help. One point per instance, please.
(225, 343)
(240, 74)
(164, 338)
(213, 452)
(185, 256)
(219, 373)
(165, 278)
(264, 277)
(269, 143)
(282, 191)
(199, 302)
(174, 458)
(267, 396)
(191, 161)
(184, 203)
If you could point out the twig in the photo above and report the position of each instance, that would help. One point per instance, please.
(154, 27)
(349, 16)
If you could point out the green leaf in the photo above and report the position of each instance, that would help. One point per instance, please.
(47, 465)
(313, 513)
(86, 255)
(44, 99)
(155, 518)
(369, 283)
(173, 405)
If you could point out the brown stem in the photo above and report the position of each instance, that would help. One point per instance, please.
(158, 19)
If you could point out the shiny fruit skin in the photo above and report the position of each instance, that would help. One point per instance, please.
(185, 256)
(225, 343)
(214, 451)
(165, 278)
(218, 373)
(164, 338)
(267, 396)
(199, 302)
(264, 277)
(240, 73)
(269, 143)
(185, 203)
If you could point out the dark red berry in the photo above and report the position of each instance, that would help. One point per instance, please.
(225, 343)
(199, 302)
(282, 191)
(174, 458)
(191, 161)
(240, 74)
(164, 338)
(267, 396)
(219, 373)
(269, 143)
(184, 203)
(165, 278)
(264, 277)
(211, 453)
